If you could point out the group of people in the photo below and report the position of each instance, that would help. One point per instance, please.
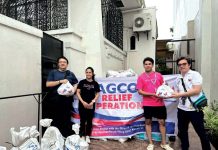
(58, 107)
(153, 105)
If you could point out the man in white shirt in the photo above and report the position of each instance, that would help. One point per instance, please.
(186, 112)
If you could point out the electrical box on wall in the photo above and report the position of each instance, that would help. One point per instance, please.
(142, 22)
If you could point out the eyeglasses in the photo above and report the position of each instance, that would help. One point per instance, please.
(183, 64)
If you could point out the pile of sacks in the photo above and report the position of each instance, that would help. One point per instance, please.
(121, 73)
(26, 138)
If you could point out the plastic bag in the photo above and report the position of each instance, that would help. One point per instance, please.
(30, 144)
(164, 91)
(122, 140)
(50, 144)
(72, 142)
(24, 134)
(20, 137)
(66, 89)
(52, 138)
(75, 128)
(25, 139)
(45, 122)
(127, 73)
(83, 145)
(121, 73)
(2, 148)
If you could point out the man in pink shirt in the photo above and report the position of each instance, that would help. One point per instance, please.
(153, 105)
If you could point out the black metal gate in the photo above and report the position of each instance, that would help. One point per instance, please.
(52, 48)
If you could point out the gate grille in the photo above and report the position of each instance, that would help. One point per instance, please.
(42, 14)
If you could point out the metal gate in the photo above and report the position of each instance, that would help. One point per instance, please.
(52, 48)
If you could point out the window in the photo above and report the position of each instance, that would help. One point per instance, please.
(132, 43)
(112, 20)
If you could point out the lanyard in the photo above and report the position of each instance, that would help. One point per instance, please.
(153, 81)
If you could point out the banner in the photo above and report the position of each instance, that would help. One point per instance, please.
(119, 111)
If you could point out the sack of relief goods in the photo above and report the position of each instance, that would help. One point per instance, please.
(66, 89)
(25, 139)
(164, 91)
(52, 138)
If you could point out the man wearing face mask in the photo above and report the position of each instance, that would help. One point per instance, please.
(58, 107)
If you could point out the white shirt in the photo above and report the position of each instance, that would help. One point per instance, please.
(191, 78)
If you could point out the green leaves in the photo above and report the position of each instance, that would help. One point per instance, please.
(211, 118)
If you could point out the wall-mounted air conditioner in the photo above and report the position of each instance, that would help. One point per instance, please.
(142, 22)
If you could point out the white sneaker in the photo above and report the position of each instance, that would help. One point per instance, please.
(166, 147)
(150, 147)
(88, 139)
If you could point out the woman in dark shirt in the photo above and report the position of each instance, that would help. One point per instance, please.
(87, 93)
(55, 106)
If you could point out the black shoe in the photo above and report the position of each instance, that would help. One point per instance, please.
(172, 138)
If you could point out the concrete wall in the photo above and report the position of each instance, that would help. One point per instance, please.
(208, 23)
(73, 49)
(184, 10)
(145, 46)
(84, 43)
(114, 58)
(206, 43)
(183, 45)
(20, 74)
(203, 58)
(82, 37)
(184, 15)
(214, 52)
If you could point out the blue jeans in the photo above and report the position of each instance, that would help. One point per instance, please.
(196, 118)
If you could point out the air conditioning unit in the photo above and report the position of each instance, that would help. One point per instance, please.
(171, 46)
(142, 22)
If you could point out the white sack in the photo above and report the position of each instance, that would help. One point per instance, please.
(164, 91)
(66, 89)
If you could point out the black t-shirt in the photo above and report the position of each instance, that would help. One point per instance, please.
(88, 90)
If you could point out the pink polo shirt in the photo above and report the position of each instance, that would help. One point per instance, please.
(149, 83)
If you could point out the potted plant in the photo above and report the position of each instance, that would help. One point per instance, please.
(211, 122)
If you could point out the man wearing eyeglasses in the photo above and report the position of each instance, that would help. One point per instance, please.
(192, 80)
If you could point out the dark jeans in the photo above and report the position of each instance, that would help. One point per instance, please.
(196, 118)
(59, 109)
(86, 116)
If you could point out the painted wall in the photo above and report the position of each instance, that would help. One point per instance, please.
(114, 58)
(145, 45)
(214, 52)
(208, 49)
(20, 74)
(73, 49)
(84, 43)
(184, 27)
(204, 53)
(205, 33)
(184, 10)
